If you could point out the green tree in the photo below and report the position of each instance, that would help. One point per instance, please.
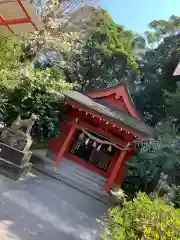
(163, 28)
(41, 93)
(161, 155)
(173, 100)
(105, 57)
(157, 66)
(25, 91)
(63, 22)
(10, 67)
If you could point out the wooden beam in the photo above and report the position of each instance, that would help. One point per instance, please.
(99, 115)
(104, 133)
(26, 13)
(26, 19)
(3, 22)
(65, 144)
(23, 8)
(115, 171)
(15, 21)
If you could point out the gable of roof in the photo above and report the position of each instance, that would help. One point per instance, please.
(121, 91)
(113, 115)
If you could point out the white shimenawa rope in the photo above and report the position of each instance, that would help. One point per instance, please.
(104, 142)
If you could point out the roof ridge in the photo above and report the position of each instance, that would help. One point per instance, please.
(108, 88)
(118, 116)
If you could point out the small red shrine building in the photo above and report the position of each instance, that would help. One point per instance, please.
(99, 132)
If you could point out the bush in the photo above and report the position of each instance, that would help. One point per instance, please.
(41, 93)
(143, 219)
(177, 198)
(160, 155)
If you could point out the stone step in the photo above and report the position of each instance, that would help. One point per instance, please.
(81, 173)
(81, 178)
(68, 165)
(74, 175)
(79, 169)
(76, 183)
(41, 156)
(82, 181)
(69, 172)
(76, 167)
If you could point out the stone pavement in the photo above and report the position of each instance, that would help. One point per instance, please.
(73, 175)
(43, 208)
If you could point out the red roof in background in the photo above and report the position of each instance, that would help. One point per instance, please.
(120, 90)
(17, 17)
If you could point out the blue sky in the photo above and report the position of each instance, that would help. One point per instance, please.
(136, 14)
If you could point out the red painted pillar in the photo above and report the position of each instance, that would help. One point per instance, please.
(65, 144)
(115, 170)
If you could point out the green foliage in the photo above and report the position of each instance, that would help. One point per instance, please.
(63, 22)
(25, 91)
(161, 155)
(157, 97)
(163, 28)
(10, 50)
(177, 198)
(41, 93)
(105, 57)
(157, 64)
(173, 100)
(10, 66)
(157, 67)
(143, 219)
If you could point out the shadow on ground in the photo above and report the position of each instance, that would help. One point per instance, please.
(43, 208)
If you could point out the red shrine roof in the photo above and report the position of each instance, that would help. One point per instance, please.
(17, 17)
(97, 104)
(119, 91)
